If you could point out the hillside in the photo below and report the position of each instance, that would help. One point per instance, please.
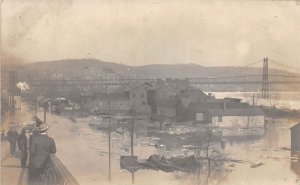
(97, 67)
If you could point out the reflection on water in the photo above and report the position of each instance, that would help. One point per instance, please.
(223, 155)
(226, 156)
(206, 146)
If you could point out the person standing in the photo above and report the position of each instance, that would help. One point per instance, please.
(40, 148)
(23, 147)
(2, 135)
(12, 137)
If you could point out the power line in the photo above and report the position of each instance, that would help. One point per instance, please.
(245, 76)
(96, 81)
(284, 65)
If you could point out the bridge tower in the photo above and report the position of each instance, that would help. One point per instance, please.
(265, 80)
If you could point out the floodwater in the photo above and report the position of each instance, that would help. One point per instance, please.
(259, 157)
(85, 153)
(290, 100)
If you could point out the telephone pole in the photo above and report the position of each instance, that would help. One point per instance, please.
(109, 143)
(12, 88)
(132, 132)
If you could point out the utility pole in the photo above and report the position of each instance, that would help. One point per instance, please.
(12, 84)
(106, 88)
(109, 141)
(132, 129)
(132, 132)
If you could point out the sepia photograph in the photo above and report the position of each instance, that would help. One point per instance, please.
(150, 92)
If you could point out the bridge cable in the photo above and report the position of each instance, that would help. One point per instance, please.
(224, 72)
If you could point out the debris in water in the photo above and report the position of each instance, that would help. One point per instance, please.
(256, 164)
(282, 149)
(155, 162)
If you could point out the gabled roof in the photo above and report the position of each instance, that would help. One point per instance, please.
(191, 90)
(192, 94)
(140, 85)
(131, 87)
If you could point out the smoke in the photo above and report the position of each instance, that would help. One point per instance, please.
(23, 86)
(10, 61)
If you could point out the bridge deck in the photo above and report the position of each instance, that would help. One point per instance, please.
(11, 171)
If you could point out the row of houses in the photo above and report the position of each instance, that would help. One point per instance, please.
(175, 100)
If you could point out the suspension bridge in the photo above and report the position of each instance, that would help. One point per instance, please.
(270, 72)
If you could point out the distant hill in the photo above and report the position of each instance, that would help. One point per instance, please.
(94, 67)
(75, 67)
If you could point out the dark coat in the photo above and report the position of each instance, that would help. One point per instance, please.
(40, 147)
(12, 136)
(22, 143)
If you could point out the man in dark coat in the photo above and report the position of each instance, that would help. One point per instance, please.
(2, 135)
(12, 137)
(40, 148)
(23, 147)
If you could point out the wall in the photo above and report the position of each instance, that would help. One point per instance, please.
(238, 121)
(138, 95)
(167, 112)
(180, 112)
(295, 138)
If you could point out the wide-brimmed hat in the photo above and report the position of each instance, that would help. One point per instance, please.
(37, 120)
(42, 128)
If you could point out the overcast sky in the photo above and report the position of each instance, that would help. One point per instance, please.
(139, 32)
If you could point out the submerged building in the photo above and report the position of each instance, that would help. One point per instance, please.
(295, 138)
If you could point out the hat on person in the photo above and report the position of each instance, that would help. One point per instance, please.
(42, 128)
(37, 120)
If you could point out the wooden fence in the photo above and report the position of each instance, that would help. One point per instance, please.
(57, 174)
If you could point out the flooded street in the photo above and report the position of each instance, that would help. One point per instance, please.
(84, 150)
(272, 150)
(236, 156)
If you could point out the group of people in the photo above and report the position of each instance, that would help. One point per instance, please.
(38, 145)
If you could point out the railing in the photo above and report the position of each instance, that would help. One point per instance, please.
(58, 174)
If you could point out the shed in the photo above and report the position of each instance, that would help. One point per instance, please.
(295, 138)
